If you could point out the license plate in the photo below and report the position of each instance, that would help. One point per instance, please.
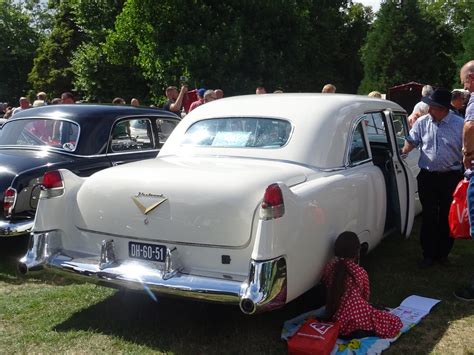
(146, 251)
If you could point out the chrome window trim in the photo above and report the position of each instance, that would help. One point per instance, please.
(79, 155)
(355, 123)
(153, 140)
(137, 117)
(290, 135)
(79, 131)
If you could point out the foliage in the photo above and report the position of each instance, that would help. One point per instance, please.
(467, 41)
(96, 77)
(41, 15)
(19, 42)
(52, 71)
(454, 13)
(357, 25)
(406, 44)
(227, 45)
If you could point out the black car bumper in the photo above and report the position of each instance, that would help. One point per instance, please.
(15, 228)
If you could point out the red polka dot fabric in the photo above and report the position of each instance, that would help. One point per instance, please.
(355, 312)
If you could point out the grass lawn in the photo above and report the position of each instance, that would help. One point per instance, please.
(51, 315)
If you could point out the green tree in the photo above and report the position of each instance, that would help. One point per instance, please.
(467, 53)
(96, 77)
(454, 13)
(407, 44)
(356, 26)
(19, 41)
(227, 44)
(41, 15)
(52, 71)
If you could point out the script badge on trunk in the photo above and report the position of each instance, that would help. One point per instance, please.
(147, 202)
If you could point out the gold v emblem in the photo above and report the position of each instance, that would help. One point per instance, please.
(145, 210)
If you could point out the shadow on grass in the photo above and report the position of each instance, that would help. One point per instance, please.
(188, 327)
(11, 249)
(394, 275)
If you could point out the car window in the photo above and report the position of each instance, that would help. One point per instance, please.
(238, 132)
(375, 127)
(132, 135)
(165, 127)
(401, 128)
(358, 151)
(41, 132)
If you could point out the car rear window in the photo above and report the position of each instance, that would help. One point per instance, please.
(238, 132)
(41, 132)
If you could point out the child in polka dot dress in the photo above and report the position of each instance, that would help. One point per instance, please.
(348, 294)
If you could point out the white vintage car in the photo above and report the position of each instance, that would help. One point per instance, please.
(242, 204)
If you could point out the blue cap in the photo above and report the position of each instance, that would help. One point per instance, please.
(201, 92)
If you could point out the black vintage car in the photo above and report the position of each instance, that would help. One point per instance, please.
(81, 138)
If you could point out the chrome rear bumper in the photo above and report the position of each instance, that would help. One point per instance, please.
(13, 229)
(264, 289)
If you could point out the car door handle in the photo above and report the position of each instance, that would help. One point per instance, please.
(397, 168)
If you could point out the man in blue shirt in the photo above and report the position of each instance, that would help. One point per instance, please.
(467, 79)
(438, 136)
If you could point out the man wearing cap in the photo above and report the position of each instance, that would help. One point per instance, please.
(199, 101)
(467, 79)
(438, 136)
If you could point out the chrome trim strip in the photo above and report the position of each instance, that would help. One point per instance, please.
(264, 290)
(52, 150)
(12, 229)
(173, 242)
(132, 152)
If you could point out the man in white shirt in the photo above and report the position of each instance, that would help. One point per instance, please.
(420, 108)
(24, 104)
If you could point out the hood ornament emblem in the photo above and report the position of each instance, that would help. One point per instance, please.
(142, 199)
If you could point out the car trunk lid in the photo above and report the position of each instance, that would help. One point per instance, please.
(206, 201)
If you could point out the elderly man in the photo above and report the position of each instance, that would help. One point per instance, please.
(438, 135)
(467, 79)
(209, 96)
(421, 108)
(24, 104)
(328, 89)
(218, 93)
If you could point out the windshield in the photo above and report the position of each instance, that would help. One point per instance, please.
(239, 132)
(40, 132)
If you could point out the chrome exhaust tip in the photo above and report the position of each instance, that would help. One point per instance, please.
(22, 268)
(247, 306)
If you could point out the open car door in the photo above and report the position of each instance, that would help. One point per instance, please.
(405, 174)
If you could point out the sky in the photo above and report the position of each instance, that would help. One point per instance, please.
(374, 3)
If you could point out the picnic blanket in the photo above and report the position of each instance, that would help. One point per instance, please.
(368, 345)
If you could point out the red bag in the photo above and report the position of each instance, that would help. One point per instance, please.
(314, 337)
(459, 226)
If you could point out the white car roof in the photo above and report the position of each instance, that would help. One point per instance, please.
(321, 125)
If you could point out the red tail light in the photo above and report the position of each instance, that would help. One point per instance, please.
(272, 205)
(9, 199)
(52, 180)
(52, 184)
